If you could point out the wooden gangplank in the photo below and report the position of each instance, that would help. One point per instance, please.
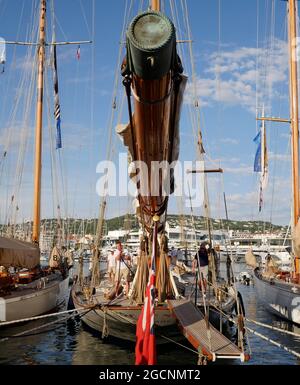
(204, 337)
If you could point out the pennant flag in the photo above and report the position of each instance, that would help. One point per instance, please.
(264, 167)
(2, 53)
(145, 350)
(264, 158)
(261, 162)
(78, 52)
(257, 160)
(56, 101)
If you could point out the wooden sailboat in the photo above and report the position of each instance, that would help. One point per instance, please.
(280, 291)
(153, 76)
(31, 290)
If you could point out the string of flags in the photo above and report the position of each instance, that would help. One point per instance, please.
(56, 97)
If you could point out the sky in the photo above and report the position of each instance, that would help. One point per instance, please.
(241, 64)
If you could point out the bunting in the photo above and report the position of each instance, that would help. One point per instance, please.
(56, 101)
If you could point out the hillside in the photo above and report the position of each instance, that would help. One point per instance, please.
(88, 226)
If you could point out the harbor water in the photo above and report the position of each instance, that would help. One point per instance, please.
(72, 343)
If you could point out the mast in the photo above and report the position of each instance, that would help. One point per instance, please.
(292, 25)
(155, 5)
(38, 128)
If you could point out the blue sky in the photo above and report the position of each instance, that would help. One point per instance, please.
(241, 62)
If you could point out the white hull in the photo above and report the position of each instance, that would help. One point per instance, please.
(279, 298)
(35, 302)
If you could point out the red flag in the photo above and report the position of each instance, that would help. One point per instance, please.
(145, 350)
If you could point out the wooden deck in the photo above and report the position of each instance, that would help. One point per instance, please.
(213, 344)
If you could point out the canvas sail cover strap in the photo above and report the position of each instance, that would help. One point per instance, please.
(18, 254)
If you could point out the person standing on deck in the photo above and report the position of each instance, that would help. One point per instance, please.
(202, 254)
(111, 265)
(173, 255)
(122, 269)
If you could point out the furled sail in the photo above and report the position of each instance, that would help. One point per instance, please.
(18, 253)
(250, 259)
(152, 73)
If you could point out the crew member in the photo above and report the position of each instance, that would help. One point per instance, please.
(111, 265)
(122, 267)
(202, 254)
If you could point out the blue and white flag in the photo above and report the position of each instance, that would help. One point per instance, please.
(261, 162)
(56, 101)
(2, 53)
(257, 160)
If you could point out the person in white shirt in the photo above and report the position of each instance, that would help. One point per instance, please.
(111, 265)
(173, 254)
(122, 270)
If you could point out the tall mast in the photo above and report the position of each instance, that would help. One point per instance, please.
(292, 20)
(38, 128)
(155, 5)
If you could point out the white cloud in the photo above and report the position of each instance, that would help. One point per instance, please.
(239, 170)
(229, 140)
(280, 157)
(240, 76)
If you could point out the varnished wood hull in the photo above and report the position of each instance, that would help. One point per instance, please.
(121, 320)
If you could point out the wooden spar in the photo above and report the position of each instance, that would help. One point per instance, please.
(292, 23)
(206, 171)
(155, 5)
(38, 128)
(100, 224)
(271, 119)
(47, 44)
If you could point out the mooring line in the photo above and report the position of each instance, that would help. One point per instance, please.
(5, 323)
(25, 332)
(273, 328)
(273, 342)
